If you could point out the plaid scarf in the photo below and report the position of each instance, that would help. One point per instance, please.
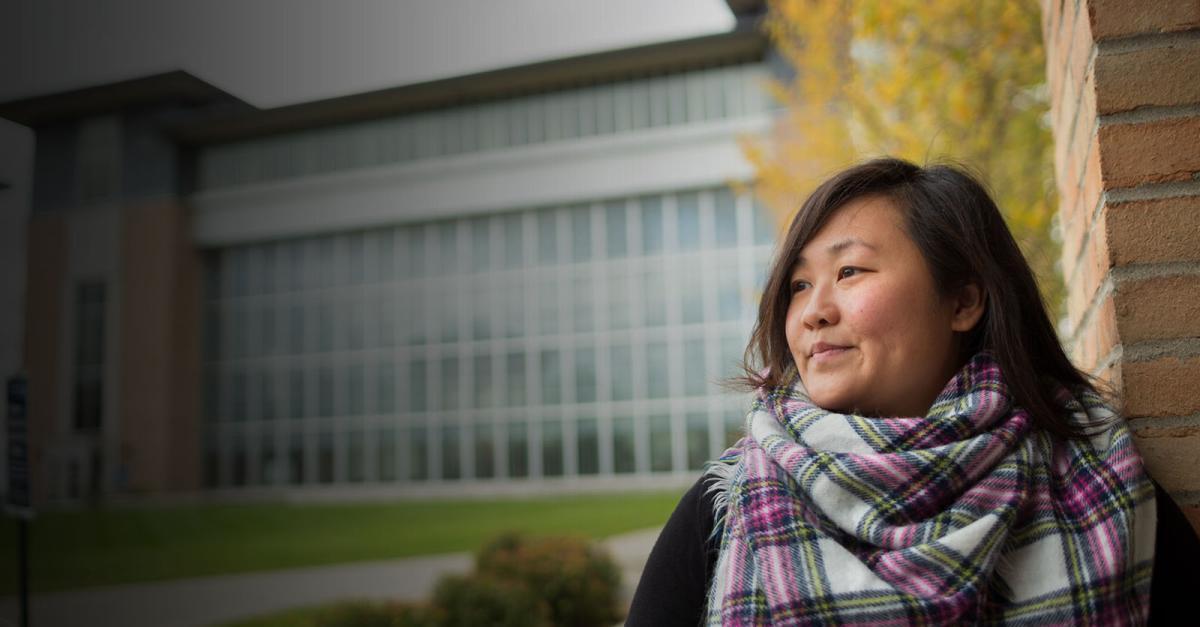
(966, 515)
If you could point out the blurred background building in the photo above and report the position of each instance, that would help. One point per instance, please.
(528, 278)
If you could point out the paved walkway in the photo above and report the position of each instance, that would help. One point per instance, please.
(209, 601)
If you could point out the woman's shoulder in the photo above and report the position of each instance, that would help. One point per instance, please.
(1176, 553)
(675, 578)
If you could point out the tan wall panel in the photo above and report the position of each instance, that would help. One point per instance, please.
(46, 263)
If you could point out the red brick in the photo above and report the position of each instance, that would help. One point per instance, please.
(1158, 308)
(1067, 78)
(1090, 269)
(1051, 14)
(1082, 46)
(1105, 322)
(1081, 135)
(1150, 152)
(1119, 18)
(1150, 231)
(1096, 340)
(1085, 271)
(1093, 183)
(1062, 120)
(1076, 224)
(1083, 194)
(1162, 76)
(1068, 200)
(1170, 454)
(1161, 387)
(1077, 303)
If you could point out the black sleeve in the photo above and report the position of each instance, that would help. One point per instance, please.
(1174, 584)
(675, 579)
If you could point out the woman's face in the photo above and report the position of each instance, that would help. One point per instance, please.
(865, 325)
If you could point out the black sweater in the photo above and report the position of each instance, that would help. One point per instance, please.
(675, 580)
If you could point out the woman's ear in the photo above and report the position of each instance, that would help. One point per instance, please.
(969, 304)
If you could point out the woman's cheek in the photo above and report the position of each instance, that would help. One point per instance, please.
(870, 315)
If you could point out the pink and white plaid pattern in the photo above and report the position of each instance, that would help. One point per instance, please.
(968, 514)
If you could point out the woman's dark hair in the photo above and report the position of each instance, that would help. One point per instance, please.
(963, 238)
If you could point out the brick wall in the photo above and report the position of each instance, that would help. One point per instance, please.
(1124, 79)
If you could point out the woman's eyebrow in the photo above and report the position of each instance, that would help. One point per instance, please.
(839, 246)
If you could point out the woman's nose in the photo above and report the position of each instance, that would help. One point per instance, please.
(820, 310)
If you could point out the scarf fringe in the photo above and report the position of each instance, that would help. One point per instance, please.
(718, 474)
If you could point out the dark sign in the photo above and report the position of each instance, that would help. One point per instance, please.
(18, 446)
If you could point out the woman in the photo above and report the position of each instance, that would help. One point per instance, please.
(920, 449)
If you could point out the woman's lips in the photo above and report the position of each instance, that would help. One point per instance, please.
(828, 352)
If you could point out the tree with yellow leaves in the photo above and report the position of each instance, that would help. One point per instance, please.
(962, 80)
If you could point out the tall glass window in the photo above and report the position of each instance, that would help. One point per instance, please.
(518, 449)
(694, 379)
(516, 379)
(581, 234)
(654, 297)
(688, 209)
(514, 247)
(621, 372)
(484, 395)
(551, 377)
(552, 448)
(547, 235)
(451, 460)
(385, 388)
(385, 455)
(417, 378)
(449, 383)
(325, 455)
(356, 390)
(724, 218)
(588, 446)
(614, 234)
(484, 459)
(697, 440)
(624, 456)
(585, 375)
(355, 459)
(89, 355)
(652, 225)
(657, 370)
(660, 442)
(417, 452)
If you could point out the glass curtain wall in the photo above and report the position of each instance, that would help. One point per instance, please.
(582, 340)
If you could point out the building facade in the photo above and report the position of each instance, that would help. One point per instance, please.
(528, 278)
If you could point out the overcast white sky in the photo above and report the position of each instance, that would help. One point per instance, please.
(274, 52)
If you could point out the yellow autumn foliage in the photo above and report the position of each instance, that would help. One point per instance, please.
(957, 80)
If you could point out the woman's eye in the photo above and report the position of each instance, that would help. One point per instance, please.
(798, 286)
(847, 272)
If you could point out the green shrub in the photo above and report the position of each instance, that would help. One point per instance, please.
(475, 600)
(376, 614)
(577, 581)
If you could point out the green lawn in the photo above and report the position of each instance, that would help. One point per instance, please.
(110, 546)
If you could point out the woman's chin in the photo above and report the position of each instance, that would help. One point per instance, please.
(831, 403)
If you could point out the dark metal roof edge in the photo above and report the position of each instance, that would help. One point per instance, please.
(175, 85)
(739, 44)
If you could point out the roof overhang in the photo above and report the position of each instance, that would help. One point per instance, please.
(175, 87)
(731, 47)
